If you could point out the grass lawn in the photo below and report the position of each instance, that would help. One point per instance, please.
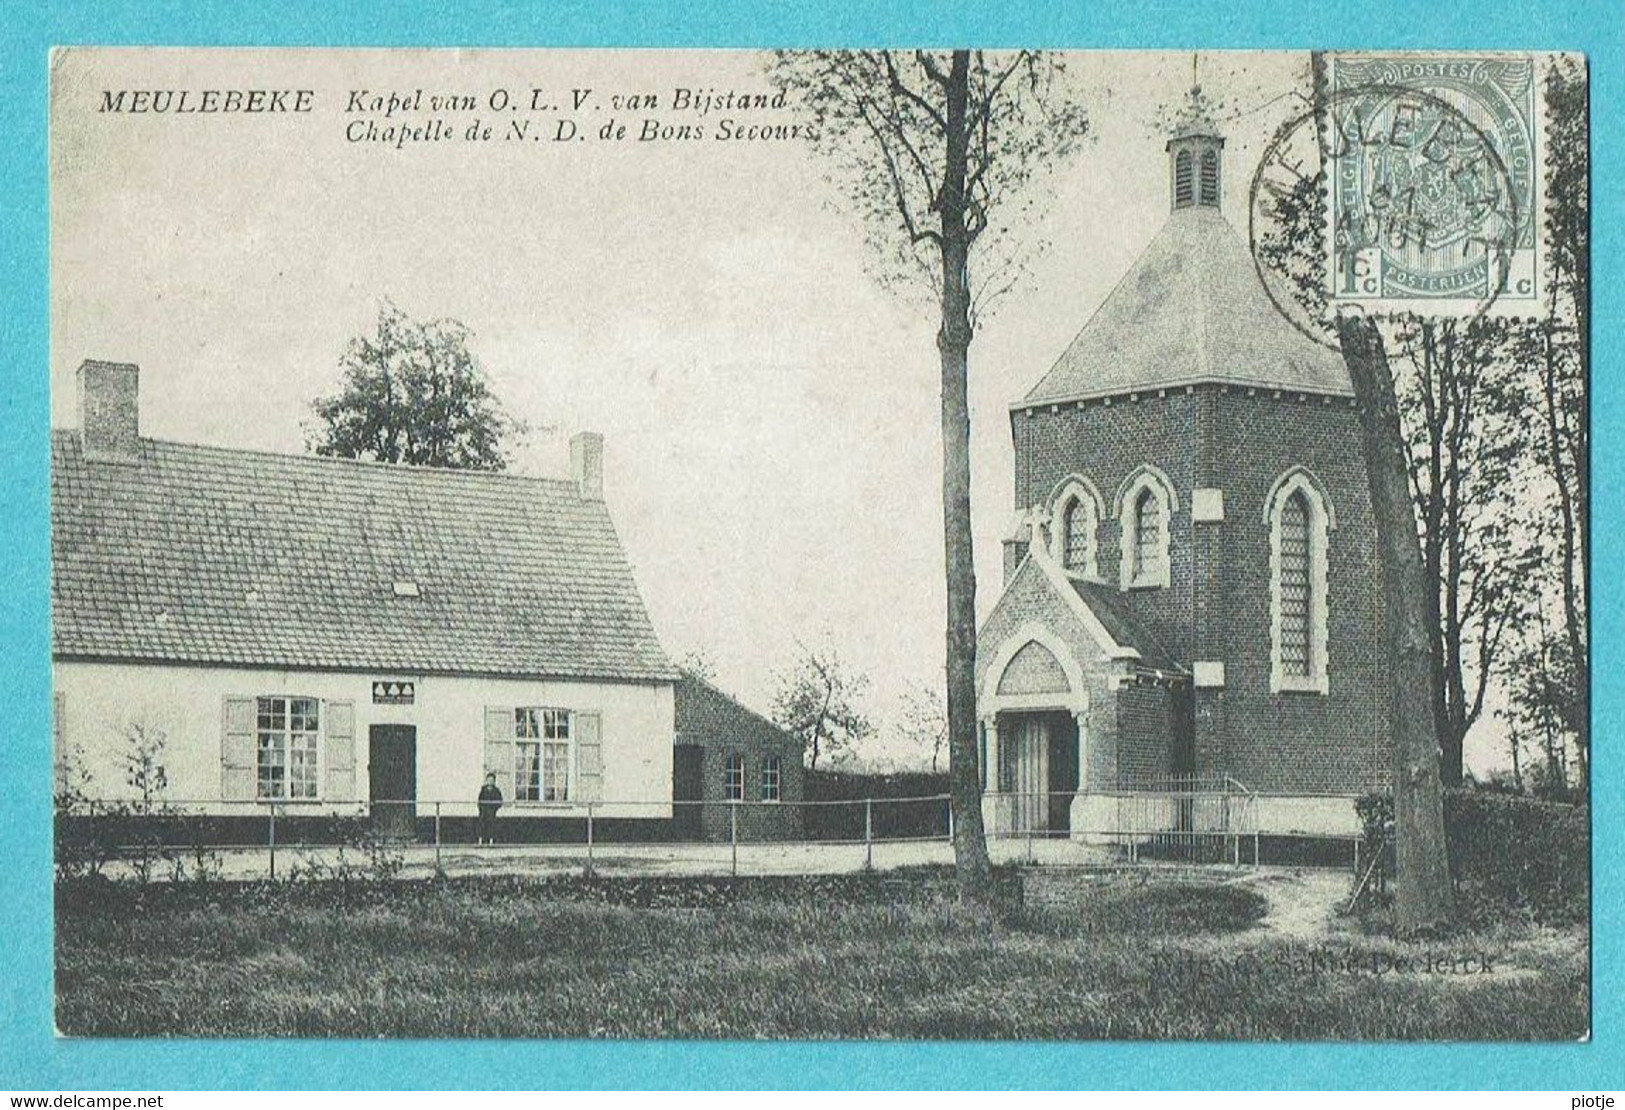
(838, 957)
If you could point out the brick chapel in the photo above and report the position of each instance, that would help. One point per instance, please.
(1192, 587)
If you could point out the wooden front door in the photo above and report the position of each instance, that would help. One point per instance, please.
(687, 786)
(1026, 773)
(392, 777)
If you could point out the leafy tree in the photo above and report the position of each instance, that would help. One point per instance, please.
(818, 701)
(932, 147)
(413, 393)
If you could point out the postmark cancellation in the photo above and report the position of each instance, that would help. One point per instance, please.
(1435, 181)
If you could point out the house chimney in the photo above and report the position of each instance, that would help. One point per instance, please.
(110, 410)
(587, 464)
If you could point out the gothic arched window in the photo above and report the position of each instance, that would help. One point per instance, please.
(1076, 537)
(1210, 177)
(1075, 520)
(1295, 587)
(1148, 546)
(1184, 179)
(1145, 507)
(1299, 519)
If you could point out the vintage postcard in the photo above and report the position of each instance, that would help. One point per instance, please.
(901, 544)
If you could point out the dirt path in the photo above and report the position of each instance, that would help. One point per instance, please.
(1303, 901)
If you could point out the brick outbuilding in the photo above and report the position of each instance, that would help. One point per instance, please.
(732, 768)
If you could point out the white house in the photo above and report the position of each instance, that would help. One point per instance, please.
(335, 636)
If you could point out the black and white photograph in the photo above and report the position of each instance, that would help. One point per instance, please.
(984, 545)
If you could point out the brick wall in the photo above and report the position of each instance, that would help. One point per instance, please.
(1144, 733)
(712, 720)
(1217, 605)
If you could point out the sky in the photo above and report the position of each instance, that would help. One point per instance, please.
(770, 410)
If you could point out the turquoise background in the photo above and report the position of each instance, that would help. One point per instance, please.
(32, 1058)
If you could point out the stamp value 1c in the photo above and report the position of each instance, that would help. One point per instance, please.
(1435, 176)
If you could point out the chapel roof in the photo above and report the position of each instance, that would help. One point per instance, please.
(1190, 311)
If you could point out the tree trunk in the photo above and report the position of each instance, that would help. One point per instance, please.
(953, 344)
(1422, 893)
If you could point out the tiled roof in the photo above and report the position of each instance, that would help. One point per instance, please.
(208, 555)
(1109, 607)
(1191, 310)
(706, 715)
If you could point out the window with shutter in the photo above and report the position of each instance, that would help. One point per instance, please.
(287, 732)
(542, 754)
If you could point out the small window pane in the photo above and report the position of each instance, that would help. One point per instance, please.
(770, 779)
(555, 772)
(527, 772)
(734, 776)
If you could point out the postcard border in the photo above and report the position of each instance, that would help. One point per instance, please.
(31, 1056)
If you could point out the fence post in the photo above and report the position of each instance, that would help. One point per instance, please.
(1133, 829)
(950, 819)
(733, 836)
(272, 838)
(868, 834)
(437, 870)
(1032, 819)
(589, 840)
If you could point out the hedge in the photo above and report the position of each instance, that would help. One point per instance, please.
(892, 819)
(1514, 851)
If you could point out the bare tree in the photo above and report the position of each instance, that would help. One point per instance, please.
(818, 700)
(1291, 246)
(930, 145)
(923, 724)
(1463, 411)
(1559, 347)
(1422, 889)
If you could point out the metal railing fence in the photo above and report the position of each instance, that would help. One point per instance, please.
(1188, 821)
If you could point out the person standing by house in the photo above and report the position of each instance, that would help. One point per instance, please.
(490, 801)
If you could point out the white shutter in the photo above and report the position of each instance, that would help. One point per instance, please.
(340, 753)
(237, 750)
(499, 734)
(589, 730)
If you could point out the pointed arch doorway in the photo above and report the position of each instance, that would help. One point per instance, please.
(1034, 734)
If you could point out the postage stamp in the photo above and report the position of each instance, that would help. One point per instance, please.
(1435, 176)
